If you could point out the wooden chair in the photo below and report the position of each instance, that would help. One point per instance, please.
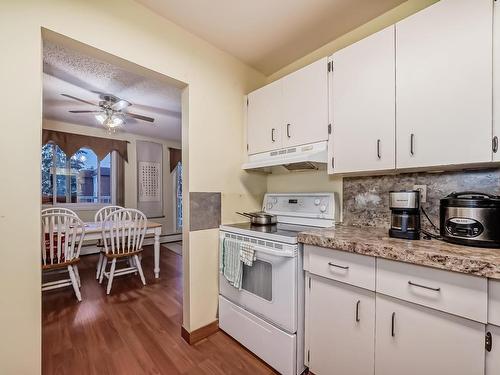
(123, 233)
(99, 217)
(62, 210)
(61, 241)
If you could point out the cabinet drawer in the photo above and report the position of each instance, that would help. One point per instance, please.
(354, 269)
(451, 292)
(494, 302)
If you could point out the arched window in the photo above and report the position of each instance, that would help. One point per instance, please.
(82, 178)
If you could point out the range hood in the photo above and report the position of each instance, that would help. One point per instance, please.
(306, 157)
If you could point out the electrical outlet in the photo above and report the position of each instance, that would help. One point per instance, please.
(423, 192)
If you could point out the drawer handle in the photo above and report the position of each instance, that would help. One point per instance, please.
(423, 286)
(357, 311)
(393, 323)
(338, 266)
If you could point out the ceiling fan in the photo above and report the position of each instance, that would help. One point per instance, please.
(110, 113)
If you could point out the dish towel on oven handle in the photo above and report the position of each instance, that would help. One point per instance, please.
(233, 254)
(247, 254)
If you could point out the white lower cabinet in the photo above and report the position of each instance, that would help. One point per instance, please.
(341, 328)
(415, 340)
(389, 328)
(493, 353)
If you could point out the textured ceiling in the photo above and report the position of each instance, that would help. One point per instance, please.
(67, 71)
(269, 35)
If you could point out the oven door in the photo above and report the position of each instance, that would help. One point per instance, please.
(269, 286)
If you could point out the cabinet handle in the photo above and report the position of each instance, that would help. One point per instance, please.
(378, 149)
(488, 342)
(272, 134)
(288, 130)
(494, 144)
(423, 286)
(338, 266)
(393, 322)
(357, 311)
(412, 139)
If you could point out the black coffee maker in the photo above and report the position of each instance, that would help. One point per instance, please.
(405, 214)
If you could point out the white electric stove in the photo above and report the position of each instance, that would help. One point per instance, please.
(267, 314)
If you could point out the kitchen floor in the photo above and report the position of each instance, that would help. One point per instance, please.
(135, 330)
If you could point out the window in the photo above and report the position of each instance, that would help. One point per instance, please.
(82, 178)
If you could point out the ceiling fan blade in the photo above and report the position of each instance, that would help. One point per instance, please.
(86, 111)
(140, 117)
(78, 99)
(120, 104)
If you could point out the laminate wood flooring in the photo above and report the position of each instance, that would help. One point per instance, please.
(135, 330)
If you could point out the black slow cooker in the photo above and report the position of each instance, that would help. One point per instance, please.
(470, 218)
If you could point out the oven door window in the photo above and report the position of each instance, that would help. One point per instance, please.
(258, 279)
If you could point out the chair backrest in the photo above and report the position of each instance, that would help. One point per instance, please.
(123, 231)
(105, 211)
(58, 210)
(62, 237)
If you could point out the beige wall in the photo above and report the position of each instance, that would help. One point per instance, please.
(213, 127)
(320, 181)
(130, 170)
(394, 15)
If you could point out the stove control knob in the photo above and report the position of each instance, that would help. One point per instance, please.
(317, 201)
(269, 205)
(322, 208)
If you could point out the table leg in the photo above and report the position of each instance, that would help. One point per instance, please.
(157, 253)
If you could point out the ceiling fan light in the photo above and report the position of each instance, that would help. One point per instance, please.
(101, 117)
(113, 123)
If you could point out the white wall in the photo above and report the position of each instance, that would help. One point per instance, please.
(130, 170)
(212, 143)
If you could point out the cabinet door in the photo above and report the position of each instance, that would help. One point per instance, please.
(265, 118)
(305, 94)
(496, 80)
(416, 340)
(493, 356)
(364, 103)
(444, 84)
(341, 328)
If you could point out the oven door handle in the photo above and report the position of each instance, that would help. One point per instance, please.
(277, 253)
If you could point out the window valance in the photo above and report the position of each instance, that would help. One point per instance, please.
(175, 157)
(71, 143)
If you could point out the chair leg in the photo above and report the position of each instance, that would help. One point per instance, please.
(103, 269)
(77, 274)
(139, 268)
(99, 265)
(111, 274)
(72, 276)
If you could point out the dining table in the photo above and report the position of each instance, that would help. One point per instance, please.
(93, 231)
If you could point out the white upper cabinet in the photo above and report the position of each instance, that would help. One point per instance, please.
(291, 111)
(265, 118)
(496, 81)
(305, 97)
(444, 85)
(362, 95)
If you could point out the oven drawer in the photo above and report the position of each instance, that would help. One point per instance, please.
(494, 302)
(455, 293)
(272, 345)
(354, 269)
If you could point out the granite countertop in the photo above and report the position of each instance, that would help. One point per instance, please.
(432, 253)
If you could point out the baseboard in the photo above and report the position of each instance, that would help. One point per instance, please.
(200, 333)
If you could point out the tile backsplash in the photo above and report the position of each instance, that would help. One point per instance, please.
(366, 199)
